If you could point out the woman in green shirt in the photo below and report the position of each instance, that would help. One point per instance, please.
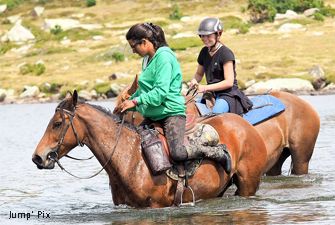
(158, 97)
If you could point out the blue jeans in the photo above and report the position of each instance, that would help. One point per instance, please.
(221, 106)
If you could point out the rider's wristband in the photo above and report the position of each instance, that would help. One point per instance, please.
(135, 102)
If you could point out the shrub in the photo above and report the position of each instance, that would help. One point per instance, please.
(36, 69)
(11, 4)
(90, 3)
(56, 30)
(184, 43)
(102, 88)
(265, 10)
(52, 88)
(232, 22)
(319, 17)
(176, 13)
(262, 10)
(118, 56)
(111, 54)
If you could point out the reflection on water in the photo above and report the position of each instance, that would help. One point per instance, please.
(308, 199)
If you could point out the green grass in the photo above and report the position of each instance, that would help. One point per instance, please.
(232, 22)
(180, 44)
(5, 47)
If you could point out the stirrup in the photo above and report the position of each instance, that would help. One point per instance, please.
(187, 203)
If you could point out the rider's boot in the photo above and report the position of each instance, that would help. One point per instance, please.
(217, 153)
(204, 143)
(205, 135)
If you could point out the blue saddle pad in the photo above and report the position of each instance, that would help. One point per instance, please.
(264, 107)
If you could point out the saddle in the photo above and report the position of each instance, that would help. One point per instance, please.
(179, 172)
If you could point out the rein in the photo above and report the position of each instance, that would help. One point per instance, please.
(55, 151)
(194, 94)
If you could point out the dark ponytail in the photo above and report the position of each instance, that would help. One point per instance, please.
(150, 31)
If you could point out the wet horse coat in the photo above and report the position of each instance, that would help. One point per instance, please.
(130, 179)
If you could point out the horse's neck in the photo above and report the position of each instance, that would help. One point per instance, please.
(109, 143)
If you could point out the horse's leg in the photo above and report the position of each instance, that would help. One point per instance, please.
(277, 167)
(247, 179)
(303, 125)
(246, 186)
(301, 155)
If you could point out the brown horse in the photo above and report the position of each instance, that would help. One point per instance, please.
(118, 148)
(291, 133)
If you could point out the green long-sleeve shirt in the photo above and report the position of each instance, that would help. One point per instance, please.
(159, 92)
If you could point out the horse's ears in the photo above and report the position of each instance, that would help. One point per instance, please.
(74, 98)
(68, 94)
(134, 86)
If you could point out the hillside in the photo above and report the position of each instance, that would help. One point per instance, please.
(85, 58)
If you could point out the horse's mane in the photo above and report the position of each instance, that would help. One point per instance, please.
(65, 104)
(116, 118)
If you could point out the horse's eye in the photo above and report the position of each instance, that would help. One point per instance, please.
(57, 124)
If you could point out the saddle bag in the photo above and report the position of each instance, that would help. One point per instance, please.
(154, 153)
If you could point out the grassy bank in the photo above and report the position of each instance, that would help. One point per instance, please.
(261, 53)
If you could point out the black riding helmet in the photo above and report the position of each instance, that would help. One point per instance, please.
(210, 26)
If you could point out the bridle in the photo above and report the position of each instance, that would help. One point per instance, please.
(53, 155)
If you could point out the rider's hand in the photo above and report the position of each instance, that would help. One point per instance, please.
(127, 105)
(193, 83)
(202, 88)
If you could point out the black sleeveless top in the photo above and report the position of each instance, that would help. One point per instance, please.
(213, 67)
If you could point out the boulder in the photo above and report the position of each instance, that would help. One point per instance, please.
(318, 75)
(116, 89)
(3, 8)
(18, 33)
(37, 11)
(91, 26)
(311, 12)
(24, 49)
(86, 95)
(14, 19)
(2, 94)
(289, 27)
(293, 85)
(329, 89)
(30, 92)
(65, 24)
(288, 15)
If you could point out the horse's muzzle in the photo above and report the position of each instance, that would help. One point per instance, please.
(49, 164)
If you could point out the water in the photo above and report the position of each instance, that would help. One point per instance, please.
(40, 194)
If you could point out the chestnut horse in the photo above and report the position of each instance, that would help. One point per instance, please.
(117, 147)
(291, 133)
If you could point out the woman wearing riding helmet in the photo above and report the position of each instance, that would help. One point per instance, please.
(217, 62)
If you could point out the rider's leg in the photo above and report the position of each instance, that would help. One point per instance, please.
(174, 129)
(221, 106)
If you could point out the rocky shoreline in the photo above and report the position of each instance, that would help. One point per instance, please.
(297, 86)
